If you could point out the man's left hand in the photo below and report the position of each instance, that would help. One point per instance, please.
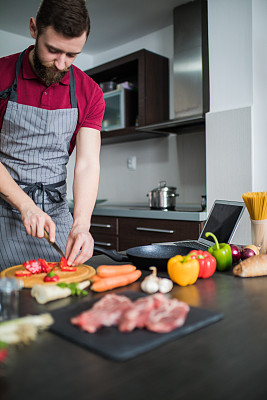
(80, 245)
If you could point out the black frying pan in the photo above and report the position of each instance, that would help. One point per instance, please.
(146, 256)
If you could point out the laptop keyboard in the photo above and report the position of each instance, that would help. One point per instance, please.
(193, 245)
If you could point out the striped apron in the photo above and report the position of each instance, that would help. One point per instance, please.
(34, 145)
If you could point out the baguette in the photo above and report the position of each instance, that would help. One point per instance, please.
(252, 266)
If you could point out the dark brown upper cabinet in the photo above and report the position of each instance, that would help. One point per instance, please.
(149, 72)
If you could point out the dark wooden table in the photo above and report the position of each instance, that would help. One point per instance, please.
(226, 360)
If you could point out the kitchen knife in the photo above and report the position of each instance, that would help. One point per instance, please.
(56, 247)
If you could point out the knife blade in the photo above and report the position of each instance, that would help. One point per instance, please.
(56, 247)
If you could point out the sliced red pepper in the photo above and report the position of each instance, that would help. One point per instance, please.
(64, 266)
(68, 269)
(207, 263)
(23, 272)
(33, 266)
(45, 266)
(53, 264)
(63, 262)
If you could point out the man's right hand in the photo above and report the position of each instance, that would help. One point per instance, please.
(35, 221)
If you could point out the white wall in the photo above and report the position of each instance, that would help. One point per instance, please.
(235, 129)
(259, 114)
(11, 43)
(174, 159)
(230, 54)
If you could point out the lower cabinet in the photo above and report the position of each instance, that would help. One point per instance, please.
(105, 232)
(123, 233)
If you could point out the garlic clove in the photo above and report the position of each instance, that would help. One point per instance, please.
(150, 284)
(165, 285)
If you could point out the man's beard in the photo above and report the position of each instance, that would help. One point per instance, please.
(48, 75)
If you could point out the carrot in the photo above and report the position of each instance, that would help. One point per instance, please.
(95, 278)
(112, 282)
(105, 271)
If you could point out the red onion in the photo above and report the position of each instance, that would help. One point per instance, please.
(246, 253)
(236, 253)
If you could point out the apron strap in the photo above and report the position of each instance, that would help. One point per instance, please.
(73, 97)
(12, 90)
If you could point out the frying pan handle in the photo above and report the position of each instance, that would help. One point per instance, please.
(113, 254)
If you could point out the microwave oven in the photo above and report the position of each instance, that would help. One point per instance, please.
(120, 109)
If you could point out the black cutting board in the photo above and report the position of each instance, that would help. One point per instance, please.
(109, 342)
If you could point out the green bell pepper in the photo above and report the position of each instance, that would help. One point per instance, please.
(222, 252)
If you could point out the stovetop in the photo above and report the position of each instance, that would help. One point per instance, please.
(144, 207)
(177, 208)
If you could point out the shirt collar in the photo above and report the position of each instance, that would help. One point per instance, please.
(28, 73)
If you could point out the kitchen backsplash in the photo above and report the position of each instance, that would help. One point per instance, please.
(177, 159)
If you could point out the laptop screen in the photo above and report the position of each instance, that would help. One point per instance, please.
(223, 220)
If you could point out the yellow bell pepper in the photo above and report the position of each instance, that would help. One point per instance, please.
(183, 270)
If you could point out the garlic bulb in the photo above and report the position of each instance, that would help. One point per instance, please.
(152, 284)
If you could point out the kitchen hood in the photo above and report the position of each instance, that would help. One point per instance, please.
(190, 70)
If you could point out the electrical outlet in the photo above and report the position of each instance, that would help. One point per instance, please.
(131, 163)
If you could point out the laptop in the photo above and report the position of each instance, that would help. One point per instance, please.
(222, 220)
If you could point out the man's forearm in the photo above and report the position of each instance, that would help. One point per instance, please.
(11, 192)
(85, 187)
(86, 176)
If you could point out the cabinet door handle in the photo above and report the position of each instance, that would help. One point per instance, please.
(140, 228)
(101, 225)
(103, 244)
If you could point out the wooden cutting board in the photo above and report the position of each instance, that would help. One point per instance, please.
(82, 273)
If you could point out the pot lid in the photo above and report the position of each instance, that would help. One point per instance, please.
(162, 186)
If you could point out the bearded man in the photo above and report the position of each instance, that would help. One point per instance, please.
(47, 107)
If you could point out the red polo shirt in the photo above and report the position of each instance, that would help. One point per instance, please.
(32, 91)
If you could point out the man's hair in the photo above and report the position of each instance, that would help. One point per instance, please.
(68, 17)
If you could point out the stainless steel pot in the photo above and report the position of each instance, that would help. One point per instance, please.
(163, 197)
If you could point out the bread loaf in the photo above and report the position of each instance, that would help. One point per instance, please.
(252, 266)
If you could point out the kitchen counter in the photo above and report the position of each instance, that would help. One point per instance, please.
(226, 360)
(184, 212)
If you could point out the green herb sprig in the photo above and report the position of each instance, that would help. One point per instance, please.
(75, 291)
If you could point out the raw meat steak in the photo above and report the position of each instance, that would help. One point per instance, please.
(168, 316)
(137, 315)
(106, 312)
(156, 313)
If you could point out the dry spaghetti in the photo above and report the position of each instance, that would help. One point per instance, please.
(256, 203)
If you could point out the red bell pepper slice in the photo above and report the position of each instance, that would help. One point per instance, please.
(45, 266)
(23, 272)
(33, 266)
(52, 264)
(207, 263)
(64, 266)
